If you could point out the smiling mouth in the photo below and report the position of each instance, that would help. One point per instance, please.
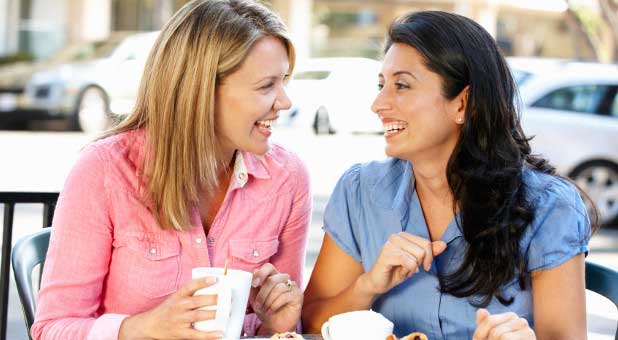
(265, 124)
(391, 129)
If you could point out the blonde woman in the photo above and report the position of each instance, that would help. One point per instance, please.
(188, 180)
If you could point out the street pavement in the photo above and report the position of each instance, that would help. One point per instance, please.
(40, 161)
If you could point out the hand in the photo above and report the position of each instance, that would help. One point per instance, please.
(275, 303)
(400, 258)
(173, 318)
(505, 326)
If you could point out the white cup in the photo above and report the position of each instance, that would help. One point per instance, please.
(233, 294)
(362, 325)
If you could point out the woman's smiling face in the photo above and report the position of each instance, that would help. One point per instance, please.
(248, 101)
(417, 118)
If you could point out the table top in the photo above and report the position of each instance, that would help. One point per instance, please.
(306, 336)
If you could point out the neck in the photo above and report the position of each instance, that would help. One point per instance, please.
(430, 175)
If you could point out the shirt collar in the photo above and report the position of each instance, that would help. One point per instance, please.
(394, 187)
(246, 164)
(394, 190)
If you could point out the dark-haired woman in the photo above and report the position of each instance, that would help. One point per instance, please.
(463, 233)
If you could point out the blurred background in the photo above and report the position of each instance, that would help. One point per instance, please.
(70, 69)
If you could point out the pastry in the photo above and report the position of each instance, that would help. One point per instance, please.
(411, 336)
(287, 335)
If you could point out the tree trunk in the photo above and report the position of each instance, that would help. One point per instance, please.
(609, 11)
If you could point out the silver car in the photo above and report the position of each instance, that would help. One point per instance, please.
(571, 109)
(91, 93)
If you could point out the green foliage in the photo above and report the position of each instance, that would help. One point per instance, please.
(16, 57)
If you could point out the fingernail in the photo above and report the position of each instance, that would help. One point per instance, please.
(255, 282)
(211, 280)
(219, 334)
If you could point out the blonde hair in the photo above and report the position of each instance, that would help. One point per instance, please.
(205, 41)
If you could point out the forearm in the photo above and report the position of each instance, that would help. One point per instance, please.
(357, 296)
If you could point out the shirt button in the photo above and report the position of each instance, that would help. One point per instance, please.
(242, 176)
(153, 251)
(256, 253)
(198, 240)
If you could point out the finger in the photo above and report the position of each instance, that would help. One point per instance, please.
(283, 300)
(491, 321)
(279, 289)
(407, 261)
(267, 287)
(198, 301)
(481, 314)
(198, 315)
(260, 274)
(417, 246)
(196, 284)
(511, 326)
(438, 247)
(192, 333)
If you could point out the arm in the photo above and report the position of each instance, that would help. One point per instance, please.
(339, 283)
(288, 262)
(78, 259)
(560, 291)
(335, 287)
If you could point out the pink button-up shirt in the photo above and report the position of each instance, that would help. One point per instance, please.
(109, 259)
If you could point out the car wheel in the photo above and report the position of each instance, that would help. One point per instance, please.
(321, 122)
(599, 179)
(93, 114)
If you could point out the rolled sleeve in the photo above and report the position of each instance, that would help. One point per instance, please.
(561, 228)
(106, 327)
(341, 213)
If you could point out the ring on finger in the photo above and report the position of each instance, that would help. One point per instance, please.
(289, 284)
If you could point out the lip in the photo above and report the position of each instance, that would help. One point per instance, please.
(391, 120)
(268, 118)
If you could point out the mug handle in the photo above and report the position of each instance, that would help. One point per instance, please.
(324, 331)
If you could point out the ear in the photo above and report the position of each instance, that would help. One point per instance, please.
(459, 105)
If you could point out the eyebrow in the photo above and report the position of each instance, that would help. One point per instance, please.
(399, 73)
(273, 77)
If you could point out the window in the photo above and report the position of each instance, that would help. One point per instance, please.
(579, 98)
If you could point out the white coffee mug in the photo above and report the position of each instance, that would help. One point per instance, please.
(362, 325)
(233, 294)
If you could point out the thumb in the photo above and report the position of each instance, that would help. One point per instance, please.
(481, 315)
(437, 247)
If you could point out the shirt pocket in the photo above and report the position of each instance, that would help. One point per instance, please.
(249, 254)
(152, 264)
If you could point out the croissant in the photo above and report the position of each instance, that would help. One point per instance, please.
(287, 335)
(411, 336)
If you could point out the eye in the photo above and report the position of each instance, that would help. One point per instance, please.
(400, 86)
(267, 86)
(380, 86)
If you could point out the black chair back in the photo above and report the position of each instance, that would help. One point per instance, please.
(604, 281)
(27, 253)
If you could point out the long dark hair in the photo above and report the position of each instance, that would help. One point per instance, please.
(484, 171)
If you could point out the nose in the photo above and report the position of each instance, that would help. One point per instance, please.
(282, 102)
(381, 102)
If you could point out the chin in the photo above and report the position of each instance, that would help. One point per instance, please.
(259, 150)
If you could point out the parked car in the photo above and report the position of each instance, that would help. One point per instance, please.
(15, 76)
(571, 109)
(90, 93)
(333, 95)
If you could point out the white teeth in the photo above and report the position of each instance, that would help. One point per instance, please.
(266, 123)
(394, 127)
